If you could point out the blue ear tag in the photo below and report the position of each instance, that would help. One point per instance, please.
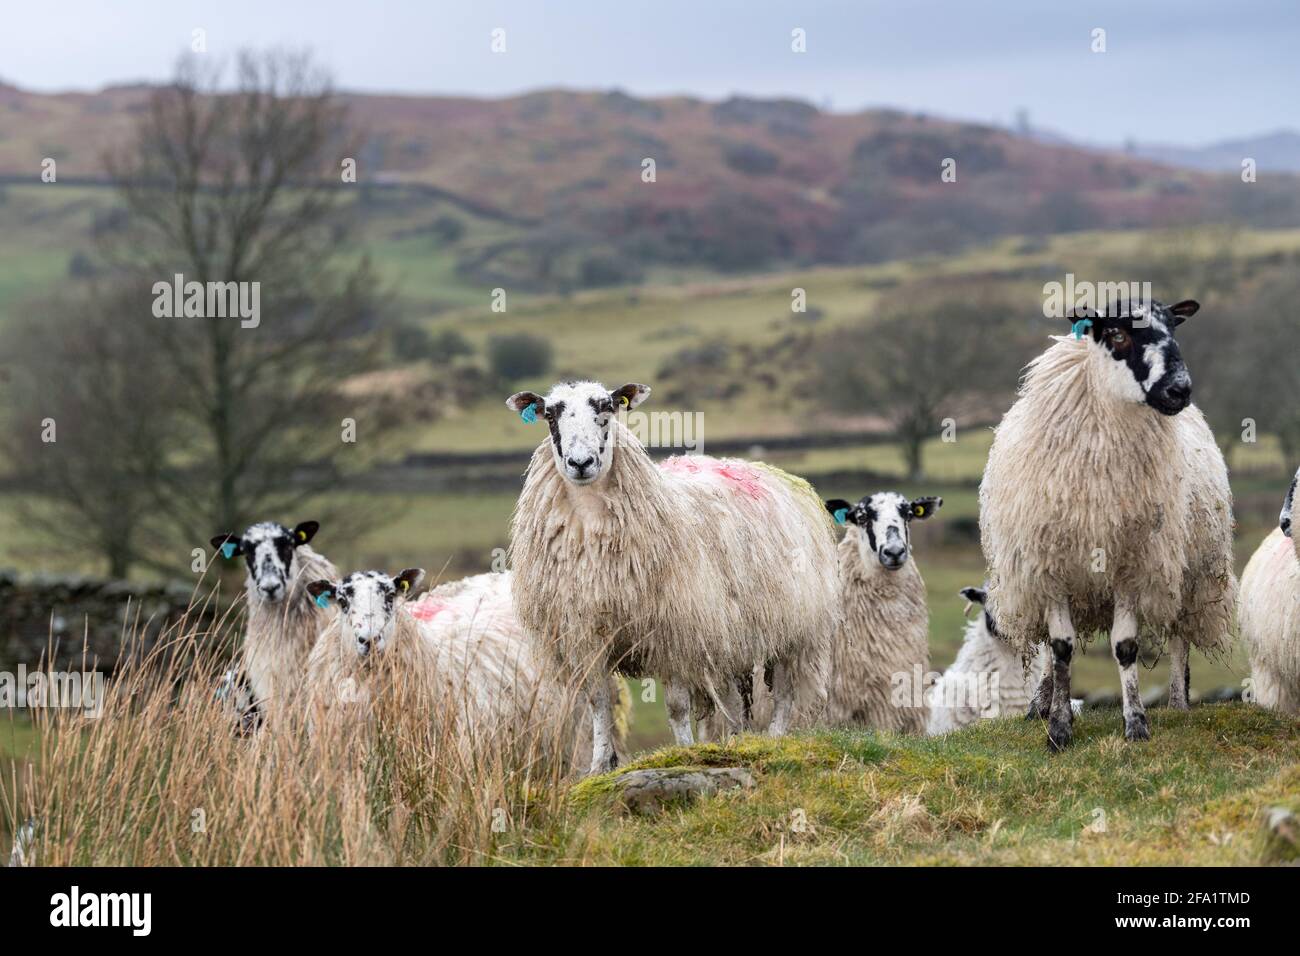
(529, 414)
(840, 514)
(1077, 328)
(228, 550)
(323, 599)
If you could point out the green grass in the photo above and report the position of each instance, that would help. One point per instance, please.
(990, 794)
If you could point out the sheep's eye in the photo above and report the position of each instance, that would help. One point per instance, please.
(1120, 341)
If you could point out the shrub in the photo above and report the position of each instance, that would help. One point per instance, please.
(519, 355)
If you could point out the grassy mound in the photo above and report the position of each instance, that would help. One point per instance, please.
(1196, 793)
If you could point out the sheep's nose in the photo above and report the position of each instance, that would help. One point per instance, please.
(893, 554)
(1180, 392)
(581, 465)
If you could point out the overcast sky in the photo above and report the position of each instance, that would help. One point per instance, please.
(1180, 71)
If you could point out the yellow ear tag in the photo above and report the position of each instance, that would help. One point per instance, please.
(622, 400)
(919, 510)
(302, 535)
(406, 585)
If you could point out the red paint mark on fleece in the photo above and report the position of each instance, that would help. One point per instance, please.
(427, 609)
(737, 474)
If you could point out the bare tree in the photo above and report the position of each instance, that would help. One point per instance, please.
(82, 437)
(924, 357)
(241, 184)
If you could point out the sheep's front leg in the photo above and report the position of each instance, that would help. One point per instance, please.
(1124, 645)
(1180, 673)
(601, 707)
(1040, 705)
(678, 701)
(782, 699)
(1060, 630)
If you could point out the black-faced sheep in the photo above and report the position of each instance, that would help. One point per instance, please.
(694, 570)
(1105, 506)
(882, 649)
(283, 620)
(459, 651)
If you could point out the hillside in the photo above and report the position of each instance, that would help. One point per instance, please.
(739, 185)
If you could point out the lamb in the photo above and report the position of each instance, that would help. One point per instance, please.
(693, 570)
(460, 652)
(1105, 506)
(283, 620)
(882, 650)
(988, 678)
(1269, 614)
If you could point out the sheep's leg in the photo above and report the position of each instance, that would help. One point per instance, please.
(1040, 705)
(1180, 673)
(601, 707)
(678, 700)
(782, 699)
(1124, 645)
(1060, 630)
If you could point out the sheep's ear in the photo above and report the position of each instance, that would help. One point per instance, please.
(408, 580)
(520, 402)
(839, 509)
(1182, 311)
(924, 507)
(974, 595)
(305, 532)
(321, 592)
(630, 395)
(228, 544)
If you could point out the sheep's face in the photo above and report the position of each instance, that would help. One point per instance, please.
(368, 602)
(980, 596)
(882, 521)
(579, 415)
(1140, 359)
(1284, 519)
(268, 550)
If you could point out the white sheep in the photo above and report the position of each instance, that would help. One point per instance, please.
(1105, 506)
(1269, 614)
(692, 571)
(882, 650)
(283, 620)
(988, 678)
(459, 648)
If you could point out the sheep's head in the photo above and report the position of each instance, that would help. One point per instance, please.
(980, 596)
(882, 520)
(1141, 360)
(1284, 519)
(368, 602)
(579, 416)
(268, 550)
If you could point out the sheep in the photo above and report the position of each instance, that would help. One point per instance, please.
(459, 649)
(1105, 506)
(693, 570)
(283, 620)
(881, 650)
(23, 852)
(1269, 614)
(988, 678)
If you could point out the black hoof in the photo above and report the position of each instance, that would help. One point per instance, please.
(1137, 728)
(1037, 712)
(1058, 736)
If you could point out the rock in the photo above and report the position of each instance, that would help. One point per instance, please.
(647, 792)
(1281, 835)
